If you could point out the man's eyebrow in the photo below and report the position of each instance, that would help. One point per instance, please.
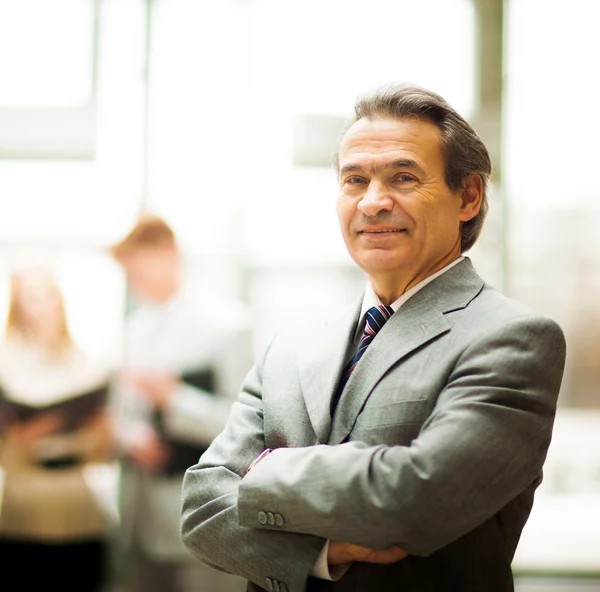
(402, 163)
(351, 168)
(406, 163)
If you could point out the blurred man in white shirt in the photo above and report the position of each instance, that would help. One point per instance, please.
(187, 350)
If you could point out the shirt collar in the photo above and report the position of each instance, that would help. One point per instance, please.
(371, 299)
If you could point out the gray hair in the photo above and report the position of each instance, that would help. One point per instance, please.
(463, 151)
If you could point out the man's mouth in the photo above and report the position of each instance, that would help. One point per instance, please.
(382, 231)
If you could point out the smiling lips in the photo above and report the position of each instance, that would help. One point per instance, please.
(381, 230)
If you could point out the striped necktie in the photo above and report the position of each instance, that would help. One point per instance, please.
(375, 318)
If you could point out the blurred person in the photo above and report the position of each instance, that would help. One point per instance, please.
(396, 444)
(53, 532)
(187, 349)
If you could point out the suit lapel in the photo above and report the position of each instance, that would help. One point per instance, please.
(321, 363)
(420, 320)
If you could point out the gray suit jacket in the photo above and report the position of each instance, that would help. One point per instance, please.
(437, 445)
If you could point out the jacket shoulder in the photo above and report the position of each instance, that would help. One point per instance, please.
(494, 310)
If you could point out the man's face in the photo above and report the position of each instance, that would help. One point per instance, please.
(152, 273)
(398, 217)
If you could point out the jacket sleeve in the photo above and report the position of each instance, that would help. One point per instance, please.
(210, 526)
(484, 443)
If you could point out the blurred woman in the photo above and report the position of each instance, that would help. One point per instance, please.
(53, 421)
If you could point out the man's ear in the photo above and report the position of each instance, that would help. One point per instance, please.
(472, 197)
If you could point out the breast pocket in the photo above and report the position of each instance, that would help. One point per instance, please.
(396, 423)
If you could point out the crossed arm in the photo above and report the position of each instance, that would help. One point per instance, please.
(484, 443)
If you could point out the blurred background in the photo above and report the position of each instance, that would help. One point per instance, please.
(222, 116)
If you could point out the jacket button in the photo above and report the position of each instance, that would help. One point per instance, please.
(262, 517)
(278, 519)
(270, 518)
(269, 584)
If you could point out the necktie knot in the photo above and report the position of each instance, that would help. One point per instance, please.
(375, 318)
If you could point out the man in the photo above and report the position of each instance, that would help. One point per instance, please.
(186, 352)
(394, 448)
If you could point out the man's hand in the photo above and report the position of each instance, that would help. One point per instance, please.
(343, 553)
(149, 452)
(156, 387)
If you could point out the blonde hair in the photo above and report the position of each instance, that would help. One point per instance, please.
(150, 231)
(17, 326)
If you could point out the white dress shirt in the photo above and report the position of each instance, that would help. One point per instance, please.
(196, 328)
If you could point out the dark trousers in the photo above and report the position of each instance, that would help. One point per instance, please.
(70, 567)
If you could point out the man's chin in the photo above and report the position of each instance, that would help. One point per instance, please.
(380, 264)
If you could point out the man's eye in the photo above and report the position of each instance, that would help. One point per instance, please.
(354, 180)
(404, 178)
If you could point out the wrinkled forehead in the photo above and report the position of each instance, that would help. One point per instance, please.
(378, 138)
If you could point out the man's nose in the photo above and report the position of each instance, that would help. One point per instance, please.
(375, 200)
